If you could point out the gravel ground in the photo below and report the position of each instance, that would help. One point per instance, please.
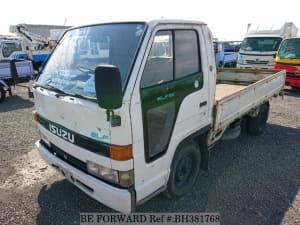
(251, 180)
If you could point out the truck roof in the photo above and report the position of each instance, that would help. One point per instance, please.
(263, 35)
(293, 38)
(151, 23)
(287, 29)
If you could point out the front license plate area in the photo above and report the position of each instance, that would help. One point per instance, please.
(66, 173)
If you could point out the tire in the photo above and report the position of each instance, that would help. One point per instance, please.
(244, 124)
(2, 94)
(295, 88)
(184, 170)
(256, 125)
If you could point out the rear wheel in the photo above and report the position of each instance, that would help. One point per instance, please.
(295, 88)
(256, 125)
(184, 170)
(2, 94)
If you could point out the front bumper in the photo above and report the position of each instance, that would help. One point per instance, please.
(122, 200)
(293, 82)
(252, 66)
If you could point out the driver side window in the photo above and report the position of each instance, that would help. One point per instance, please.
(159, 66)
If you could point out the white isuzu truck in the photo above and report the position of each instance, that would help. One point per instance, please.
(261, 43)
(139, 113)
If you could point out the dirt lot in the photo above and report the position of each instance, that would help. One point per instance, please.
(251, 181)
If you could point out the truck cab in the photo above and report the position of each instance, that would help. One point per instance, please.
(258, 51)
(10, 47)
(288, 58)
(261, 43)
(126, 125)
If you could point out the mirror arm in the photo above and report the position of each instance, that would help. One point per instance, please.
(108, 112)
(115, 120)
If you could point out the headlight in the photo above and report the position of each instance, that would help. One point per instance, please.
(124, 178)
(102, 172)
(241, 61)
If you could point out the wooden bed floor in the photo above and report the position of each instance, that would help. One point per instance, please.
(224, 90)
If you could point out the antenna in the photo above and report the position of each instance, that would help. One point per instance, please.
(65, 22)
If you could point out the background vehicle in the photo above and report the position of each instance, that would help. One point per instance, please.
(226, 53)
(261, 43)
(13, 72)
(288, 58)
(35, 41)
(145, 119)
(8, 46)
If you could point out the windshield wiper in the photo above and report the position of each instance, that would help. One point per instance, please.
(80, 96)
(60, 93)
(51, 88)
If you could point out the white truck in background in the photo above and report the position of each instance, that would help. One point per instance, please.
(36, 41)
(142, 118)
(9, 45)
(260, 45)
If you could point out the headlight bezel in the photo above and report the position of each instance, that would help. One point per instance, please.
(102, 172)
(122, 178)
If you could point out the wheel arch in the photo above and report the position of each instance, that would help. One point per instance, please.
(200, 138)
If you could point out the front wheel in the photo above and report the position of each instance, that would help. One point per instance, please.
(2, 94)
(256, 125)
(184, 170)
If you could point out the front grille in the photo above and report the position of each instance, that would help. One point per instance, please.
(66, 157)
(75, 162)
(256, 62)
(82, 141)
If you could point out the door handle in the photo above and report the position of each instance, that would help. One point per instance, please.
(203, 103)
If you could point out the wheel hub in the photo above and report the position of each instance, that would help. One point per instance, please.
(184, 171)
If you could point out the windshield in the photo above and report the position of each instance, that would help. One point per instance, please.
(71, 66)
(261, 44)
(9, 47)
(231, 46)
(290, 49)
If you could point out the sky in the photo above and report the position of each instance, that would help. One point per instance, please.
(227, 19)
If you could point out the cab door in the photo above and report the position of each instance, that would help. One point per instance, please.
(171, 73)
(169, 102)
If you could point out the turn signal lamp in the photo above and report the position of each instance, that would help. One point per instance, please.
(35, 115)
(120, 153)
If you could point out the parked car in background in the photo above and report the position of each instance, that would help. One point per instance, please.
(288, 58)
(226, 53)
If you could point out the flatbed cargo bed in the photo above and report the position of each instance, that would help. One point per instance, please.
(238, 91)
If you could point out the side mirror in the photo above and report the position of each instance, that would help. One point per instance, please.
(274, 55)
(108, 86)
